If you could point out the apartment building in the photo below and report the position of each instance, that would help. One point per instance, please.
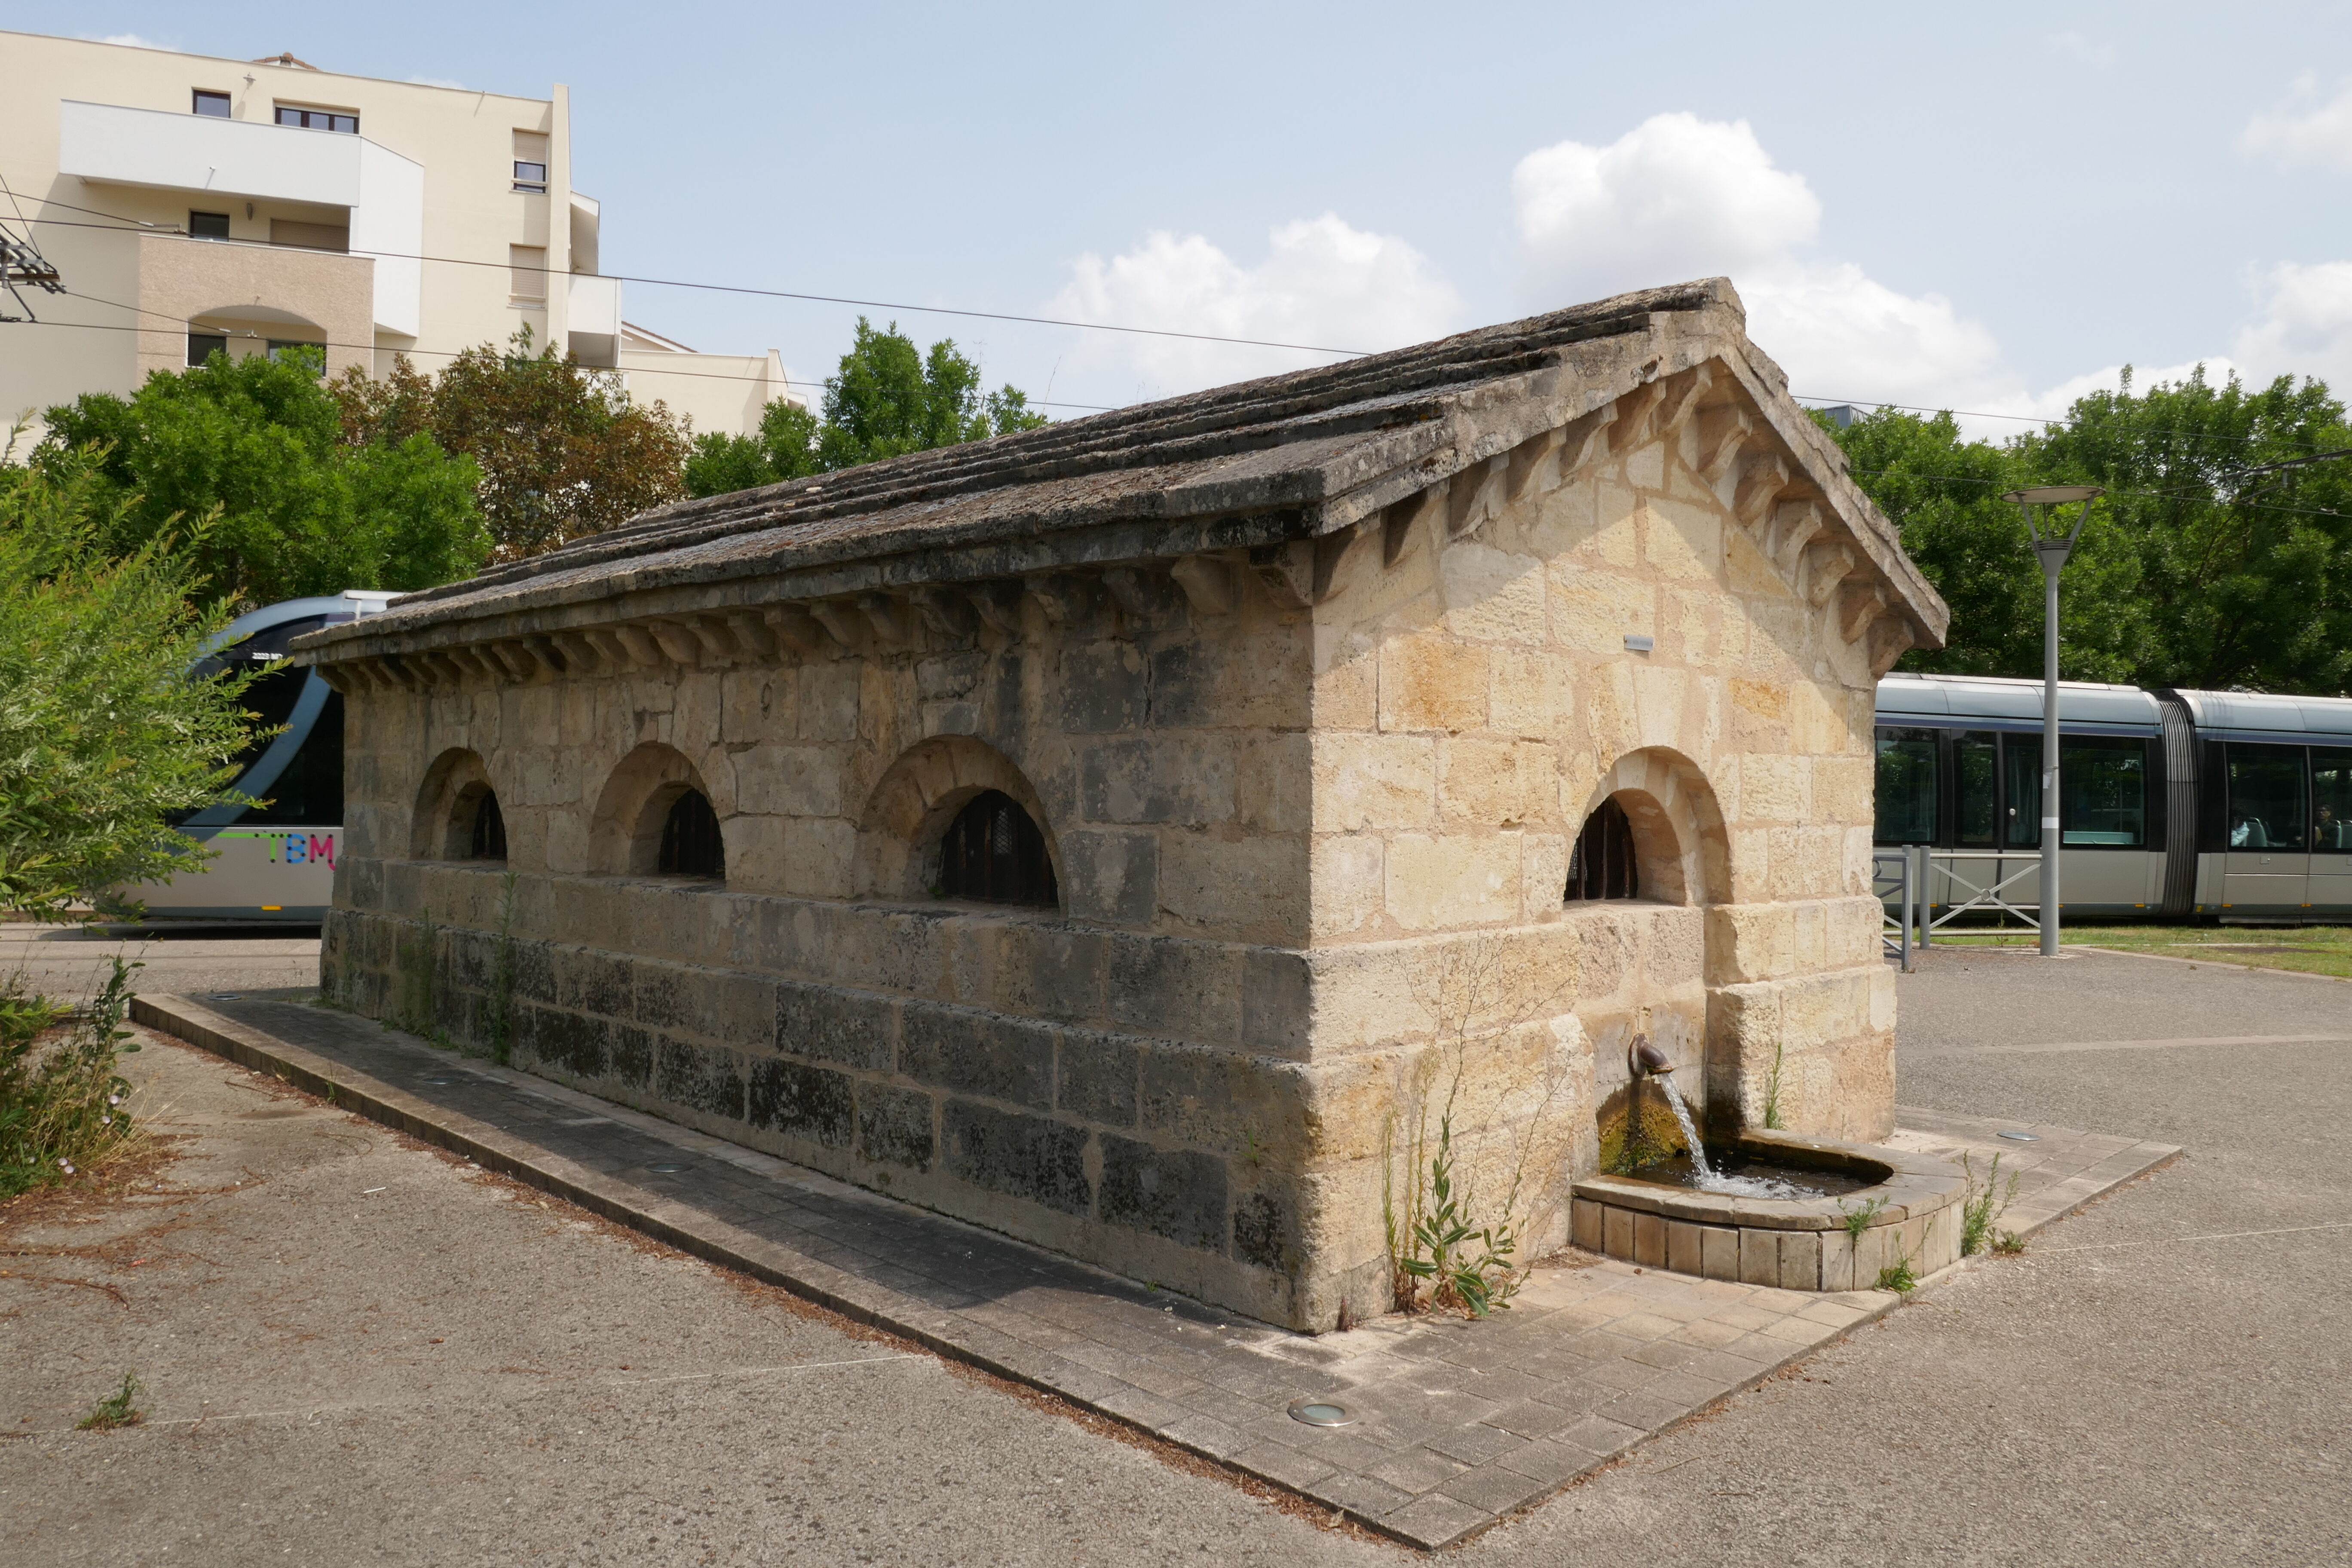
(194, 206)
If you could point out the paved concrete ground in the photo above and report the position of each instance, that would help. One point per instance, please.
(2149, 1384)
(1455, 1425)
(71, 960)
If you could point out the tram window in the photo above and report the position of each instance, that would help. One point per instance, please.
(1974, 787)
(2331, 800)
(1906, 786)
(2266, 809)
(2021, 772)
(310, 793)
(2103, 784)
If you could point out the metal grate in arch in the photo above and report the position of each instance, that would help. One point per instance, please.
(690, 844)
(1602, 866)
(993, 852)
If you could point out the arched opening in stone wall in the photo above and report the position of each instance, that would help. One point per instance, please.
(485, 835)
(1603, 863)
(657, 817)
(1650, 858)
(690, 841)
(924, 828)
(457, 815)
(993, 852)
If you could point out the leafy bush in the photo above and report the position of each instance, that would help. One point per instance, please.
(102, 736)
(61, 1100)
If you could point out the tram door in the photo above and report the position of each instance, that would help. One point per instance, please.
(2267, 857)
(2331, 828)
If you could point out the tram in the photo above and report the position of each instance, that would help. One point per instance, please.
(274, 862)
(2217, 806)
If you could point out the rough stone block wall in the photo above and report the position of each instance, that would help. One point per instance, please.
(1311, 809)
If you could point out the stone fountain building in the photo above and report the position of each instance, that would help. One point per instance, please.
(1114, 833)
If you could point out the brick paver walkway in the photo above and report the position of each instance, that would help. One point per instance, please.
(1456, 1423)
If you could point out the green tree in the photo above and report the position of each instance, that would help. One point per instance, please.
(564, 451)
(2189, 572)
(887, 398)
(785, 449)
(103, 735)
(256, 444)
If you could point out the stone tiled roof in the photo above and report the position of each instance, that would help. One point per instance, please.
(1244, 465)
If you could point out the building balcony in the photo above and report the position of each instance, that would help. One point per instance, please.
(381, 192)
(251, 296)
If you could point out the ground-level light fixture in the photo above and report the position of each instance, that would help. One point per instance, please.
(2051, 547)
(1322, 1413)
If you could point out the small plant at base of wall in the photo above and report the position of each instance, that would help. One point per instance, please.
(502, 977)
(1772, 1089)
(1860, 1217)
(1441, 1255)
(1984, 1203)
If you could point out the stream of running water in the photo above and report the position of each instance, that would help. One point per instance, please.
(1706, 1179)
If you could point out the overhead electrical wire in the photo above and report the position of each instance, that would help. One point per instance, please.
(137, 225)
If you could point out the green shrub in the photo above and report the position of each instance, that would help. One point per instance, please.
(62, 1101)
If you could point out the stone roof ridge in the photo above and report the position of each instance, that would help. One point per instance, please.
(1358, 394)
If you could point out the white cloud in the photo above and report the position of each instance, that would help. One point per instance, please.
(439, 81)
(1675, 198)
(1321, 282)
(132, 40)
(1679, 197)
(2304, 324)
(2304, 130)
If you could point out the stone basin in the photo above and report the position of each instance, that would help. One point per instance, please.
(1795, 1245)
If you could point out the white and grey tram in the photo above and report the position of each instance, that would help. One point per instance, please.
(275, 861)
(2219, 806)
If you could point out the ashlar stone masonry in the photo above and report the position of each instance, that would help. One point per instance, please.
(1309, 687)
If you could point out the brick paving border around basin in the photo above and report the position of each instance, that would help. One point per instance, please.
(1454, 1425)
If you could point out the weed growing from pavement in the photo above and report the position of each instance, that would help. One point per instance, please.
(1898, 1277)
(1984, 1203)
(2010, 1244)
(117, 1409)
(1860, 1218)
(62, 1111)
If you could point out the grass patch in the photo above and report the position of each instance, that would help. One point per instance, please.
(2308, 950)
(117, 1409)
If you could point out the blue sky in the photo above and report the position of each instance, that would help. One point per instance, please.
(1990, 207)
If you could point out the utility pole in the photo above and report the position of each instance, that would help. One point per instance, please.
(2052, 548)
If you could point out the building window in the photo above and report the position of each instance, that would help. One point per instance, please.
(488, 839)
(202, 346)
(311, 357)
(993, 852)
(212, 103)
(318, 120)
(526, 271)
(690, 844)
(531, 177)
(1601, 865)
(208, 226)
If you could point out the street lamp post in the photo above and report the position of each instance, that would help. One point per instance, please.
(2052, 547)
